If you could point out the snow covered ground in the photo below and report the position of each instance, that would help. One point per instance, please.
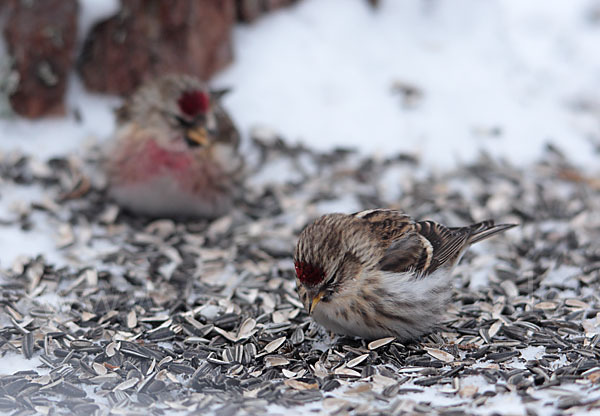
(502, 76)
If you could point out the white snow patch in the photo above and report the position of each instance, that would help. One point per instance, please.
(532, 353)
(11, 362)
(480, 268)
(15, 242)
(347, 204)
(563, 275)
(274, 172)
(53, 302)
(58, 136)
(326, 77)
(14, 199)
(505, 404)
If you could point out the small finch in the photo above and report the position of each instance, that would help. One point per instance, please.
(379, 273)
(175, 152)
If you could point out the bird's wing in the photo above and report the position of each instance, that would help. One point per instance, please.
(227, 131)
(408, 252)
(423, 248)
(405, 249)
(443, 246)
(387, 223)
(446, 244)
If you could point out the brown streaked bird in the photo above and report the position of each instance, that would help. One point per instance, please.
(379, 273)
(175, 152)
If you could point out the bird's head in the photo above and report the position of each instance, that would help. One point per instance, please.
(311, 284)
(323, 260)
(178, 110)
(193, 117)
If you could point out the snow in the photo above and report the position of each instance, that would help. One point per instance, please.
(502, 76)
(345, 205)
(30, 243)
(58, 136)
(326, 78)
(274, 171)
(13, 362)
(532, 353)
(562, 275)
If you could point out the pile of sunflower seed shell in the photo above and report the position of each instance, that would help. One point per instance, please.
(182, 317)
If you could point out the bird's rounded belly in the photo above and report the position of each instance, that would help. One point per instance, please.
(156, 195)
(164, 195)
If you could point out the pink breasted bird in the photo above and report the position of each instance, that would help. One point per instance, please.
(175, 151)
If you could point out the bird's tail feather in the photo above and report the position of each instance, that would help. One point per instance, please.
(485, 229)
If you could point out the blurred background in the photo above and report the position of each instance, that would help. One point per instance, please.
(440, 80)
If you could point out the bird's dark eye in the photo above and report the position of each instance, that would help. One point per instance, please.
(327, 296)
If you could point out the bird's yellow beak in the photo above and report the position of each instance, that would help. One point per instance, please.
(314, 302)
(197, 136)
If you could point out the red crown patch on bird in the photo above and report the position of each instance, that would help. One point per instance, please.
(308, 274)
(193, 103)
